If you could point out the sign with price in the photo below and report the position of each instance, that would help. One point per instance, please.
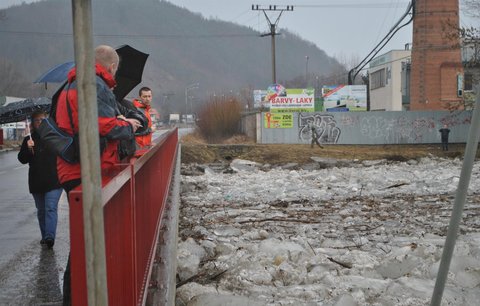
(278, 120)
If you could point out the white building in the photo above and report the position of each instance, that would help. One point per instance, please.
(385, 76)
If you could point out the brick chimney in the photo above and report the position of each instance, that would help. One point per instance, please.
(436, 56)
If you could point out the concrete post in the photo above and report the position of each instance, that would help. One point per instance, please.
(462, 190)
(89, 151)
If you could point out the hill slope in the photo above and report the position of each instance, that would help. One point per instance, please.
(184, 47)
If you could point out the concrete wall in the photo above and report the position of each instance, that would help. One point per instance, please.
(371, 127)
(249, 125)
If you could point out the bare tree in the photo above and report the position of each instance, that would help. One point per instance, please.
(246, 97)
(472, 7)
(470, 36)
(467, 38)
(347, 61)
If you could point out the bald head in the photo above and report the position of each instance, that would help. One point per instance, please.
(107, 57)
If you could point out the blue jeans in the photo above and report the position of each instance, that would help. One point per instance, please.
(47, 204)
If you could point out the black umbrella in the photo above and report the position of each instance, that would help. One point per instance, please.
(18, 111)
(128, 76)
(130, 71)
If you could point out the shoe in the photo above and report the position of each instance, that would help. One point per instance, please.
(49, 242)
(42, 242)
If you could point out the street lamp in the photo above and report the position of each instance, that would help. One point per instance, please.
(306, 70)
(189, 87)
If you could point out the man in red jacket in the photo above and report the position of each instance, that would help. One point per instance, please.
(144, 138)
(112, 126)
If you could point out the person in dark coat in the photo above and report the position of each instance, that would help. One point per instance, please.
(42, 180)
(315, 136)
(444, 134)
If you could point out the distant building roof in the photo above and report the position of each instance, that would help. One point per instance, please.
(390, 56)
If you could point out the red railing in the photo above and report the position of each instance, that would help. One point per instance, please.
(133, 202)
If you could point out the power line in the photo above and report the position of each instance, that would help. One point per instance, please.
(139, 36)
(347, 5)
(345, 74)
(239, 15)
(385, 17)
(354, 71)
(247, 23)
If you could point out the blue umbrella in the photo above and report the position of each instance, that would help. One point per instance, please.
(57, 74)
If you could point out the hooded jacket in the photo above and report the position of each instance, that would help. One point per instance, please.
(145, 139)
(42, 173)
(109, 126)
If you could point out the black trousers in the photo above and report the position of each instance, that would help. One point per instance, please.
(315, 141)
(67, 288)
(445, 145)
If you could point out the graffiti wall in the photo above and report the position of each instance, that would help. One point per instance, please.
(370, 127)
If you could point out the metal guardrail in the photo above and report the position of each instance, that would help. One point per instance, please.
(133, 204)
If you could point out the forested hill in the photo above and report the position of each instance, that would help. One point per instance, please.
(184, 47)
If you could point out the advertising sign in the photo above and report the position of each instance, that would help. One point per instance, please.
(293, 100)
(278, 120)
(348, 97)
(260, 99)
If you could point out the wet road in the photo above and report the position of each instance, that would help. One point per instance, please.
(29, 273)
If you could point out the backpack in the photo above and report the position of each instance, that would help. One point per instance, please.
(61, 143)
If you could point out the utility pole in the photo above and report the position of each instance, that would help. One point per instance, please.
(95, 262)
(273, 26)
(189, 87)
(306, 70)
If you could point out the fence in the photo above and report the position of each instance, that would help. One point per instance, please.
(412, 127)
(133, 202)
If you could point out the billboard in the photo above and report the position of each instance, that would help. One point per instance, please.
(293, 100)
(351, 98)
(260, 99)
(279, 99)
(278, 120)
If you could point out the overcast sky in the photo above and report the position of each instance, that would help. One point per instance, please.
(348, 28)
(333, 25)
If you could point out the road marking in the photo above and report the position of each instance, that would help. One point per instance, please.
(20, 167)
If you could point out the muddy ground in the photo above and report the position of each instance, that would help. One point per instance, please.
(276, 154)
